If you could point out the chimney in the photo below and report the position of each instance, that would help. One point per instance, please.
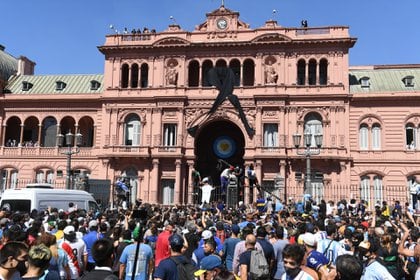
(25, 66)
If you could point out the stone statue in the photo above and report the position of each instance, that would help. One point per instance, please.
(171, 75)
(270, 73)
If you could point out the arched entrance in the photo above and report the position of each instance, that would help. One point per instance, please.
(220, 139)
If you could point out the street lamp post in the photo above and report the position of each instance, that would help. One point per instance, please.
(72, 141)
(308, 152)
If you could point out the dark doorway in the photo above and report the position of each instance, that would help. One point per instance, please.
(212, 144)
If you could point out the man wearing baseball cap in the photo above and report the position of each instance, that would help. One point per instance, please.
(315, 260)
(167, 268)
(210, 266)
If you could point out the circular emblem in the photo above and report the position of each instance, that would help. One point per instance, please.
(222, 23)
(224, 147)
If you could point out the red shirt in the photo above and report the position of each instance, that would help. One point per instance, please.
(162, 247)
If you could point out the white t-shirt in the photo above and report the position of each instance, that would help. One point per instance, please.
(206, 192)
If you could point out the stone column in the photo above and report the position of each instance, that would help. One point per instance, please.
(258, 172)
(282, 166)
(177, 192)
(39, 134)
(247, 188)
(154, 192)
(22, 126)
(241, 78)
(190, 198)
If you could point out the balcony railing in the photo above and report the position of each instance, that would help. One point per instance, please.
(41, 151)
(127, 151)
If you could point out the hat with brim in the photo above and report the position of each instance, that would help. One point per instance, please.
(208, 263)
(199, 272)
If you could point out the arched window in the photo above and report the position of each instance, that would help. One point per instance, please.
(144, 75)
(193, 73)
(249, 73)
(376, 136)
(49, 132)
(221, 63)
(134, 76)
(313, 125)
(301, 76)
(132, 130)
(235, 65)
(13, 130)
(323, 71)
(410, 136)
(8, 179)
(207, 65)
(363, 137)
(124, 76)
(312, 72)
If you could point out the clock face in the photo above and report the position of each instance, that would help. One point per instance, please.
(222, 23)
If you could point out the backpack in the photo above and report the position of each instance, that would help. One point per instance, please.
(258, 268)
(185, 269)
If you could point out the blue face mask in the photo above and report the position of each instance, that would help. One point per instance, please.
(292, 272)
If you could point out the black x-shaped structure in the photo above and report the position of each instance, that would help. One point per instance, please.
(223, 79)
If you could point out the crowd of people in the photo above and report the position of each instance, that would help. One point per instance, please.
(299, 239)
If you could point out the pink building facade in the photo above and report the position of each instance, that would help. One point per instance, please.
(137, 117)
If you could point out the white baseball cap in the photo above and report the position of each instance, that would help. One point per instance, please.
(206, 234)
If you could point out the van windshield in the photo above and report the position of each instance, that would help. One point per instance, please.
(93, 206)
(13, 205)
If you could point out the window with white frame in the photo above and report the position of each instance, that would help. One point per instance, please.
(378, 189)
(168, 191)
(13, 179)
(271, 135)
(3, 178)
(50, 176)
(132, 130)
(44, 176)
(313, 125)
(365, 188)
(40, 176)
(363, 137)
(371, 191)
(410, 137)
(376, 137)
(169, 134)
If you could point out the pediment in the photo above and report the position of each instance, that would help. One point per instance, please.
(271, 38)
(172, 41)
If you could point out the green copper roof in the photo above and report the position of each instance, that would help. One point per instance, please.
(47, 84)
(384, 79)
(8, 64)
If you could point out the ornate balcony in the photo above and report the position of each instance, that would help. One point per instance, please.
(126, 151)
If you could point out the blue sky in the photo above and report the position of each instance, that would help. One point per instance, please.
(62, 36)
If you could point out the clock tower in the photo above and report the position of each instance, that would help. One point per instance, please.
(222, 20)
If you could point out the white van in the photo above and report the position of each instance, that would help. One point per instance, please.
(26, 200)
